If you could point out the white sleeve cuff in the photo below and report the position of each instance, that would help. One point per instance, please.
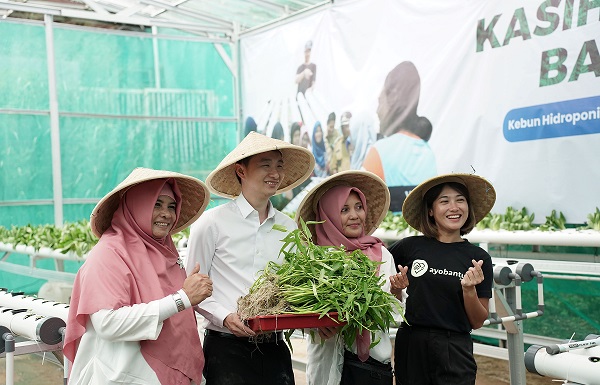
(166, 308)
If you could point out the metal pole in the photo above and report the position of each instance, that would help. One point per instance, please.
(54, 124)
(237, 78)
(9, 343)
(66, 361)
(515, 341)
(156, 57)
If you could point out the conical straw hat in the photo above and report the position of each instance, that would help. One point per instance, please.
(194, 198)
(374, 189)
(481, 193)
(298, 163)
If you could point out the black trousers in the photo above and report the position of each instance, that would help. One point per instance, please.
(237, 361)
(370, 372)
(425, 356)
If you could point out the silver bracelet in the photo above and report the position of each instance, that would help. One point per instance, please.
(178, 302)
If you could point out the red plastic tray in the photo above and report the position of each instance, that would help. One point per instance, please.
(267, 323)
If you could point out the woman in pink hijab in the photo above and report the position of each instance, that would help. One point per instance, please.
(350, 205)
(131, 319)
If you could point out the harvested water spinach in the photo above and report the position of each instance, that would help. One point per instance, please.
(322, 279)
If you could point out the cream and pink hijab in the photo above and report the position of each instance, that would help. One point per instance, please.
(329, 233)
(128, 266)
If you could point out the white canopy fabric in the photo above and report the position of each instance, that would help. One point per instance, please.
(217, 19)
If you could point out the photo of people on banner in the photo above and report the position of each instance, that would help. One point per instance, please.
(391, 142)
(409, 90)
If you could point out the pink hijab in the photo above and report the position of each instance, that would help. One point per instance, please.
(128, 266)
(329, 233)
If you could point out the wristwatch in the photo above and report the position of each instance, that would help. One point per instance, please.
(178, 302)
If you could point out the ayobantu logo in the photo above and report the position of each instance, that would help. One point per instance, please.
(419, 267)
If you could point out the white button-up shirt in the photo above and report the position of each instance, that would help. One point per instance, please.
(232, 247)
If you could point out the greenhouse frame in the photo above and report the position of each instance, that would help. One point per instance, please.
(91, 89)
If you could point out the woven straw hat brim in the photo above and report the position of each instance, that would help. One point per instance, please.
(194, 198)
(374, 188)
(298, 163)
(481, 193)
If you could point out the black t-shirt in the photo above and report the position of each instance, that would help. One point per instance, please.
(434, 272)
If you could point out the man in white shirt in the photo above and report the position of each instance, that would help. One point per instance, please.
(233, 243)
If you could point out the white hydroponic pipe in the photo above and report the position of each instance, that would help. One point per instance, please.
(535, 237)
(561, 348)
(42, 252)
(583, 238)
(32, 326)
(580, 366)
(37, 305)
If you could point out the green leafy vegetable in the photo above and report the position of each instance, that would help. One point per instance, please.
(554, 222)
(322, 279)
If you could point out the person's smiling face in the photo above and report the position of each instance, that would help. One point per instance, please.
(163, 216)
(263, 175)
(450, 211)
(353, 216)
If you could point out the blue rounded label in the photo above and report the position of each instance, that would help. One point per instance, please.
(554, 120)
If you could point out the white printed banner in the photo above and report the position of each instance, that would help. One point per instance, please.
(509, 89)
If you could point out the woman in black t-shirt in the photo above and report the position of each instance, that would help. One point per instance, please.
(450, 280)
